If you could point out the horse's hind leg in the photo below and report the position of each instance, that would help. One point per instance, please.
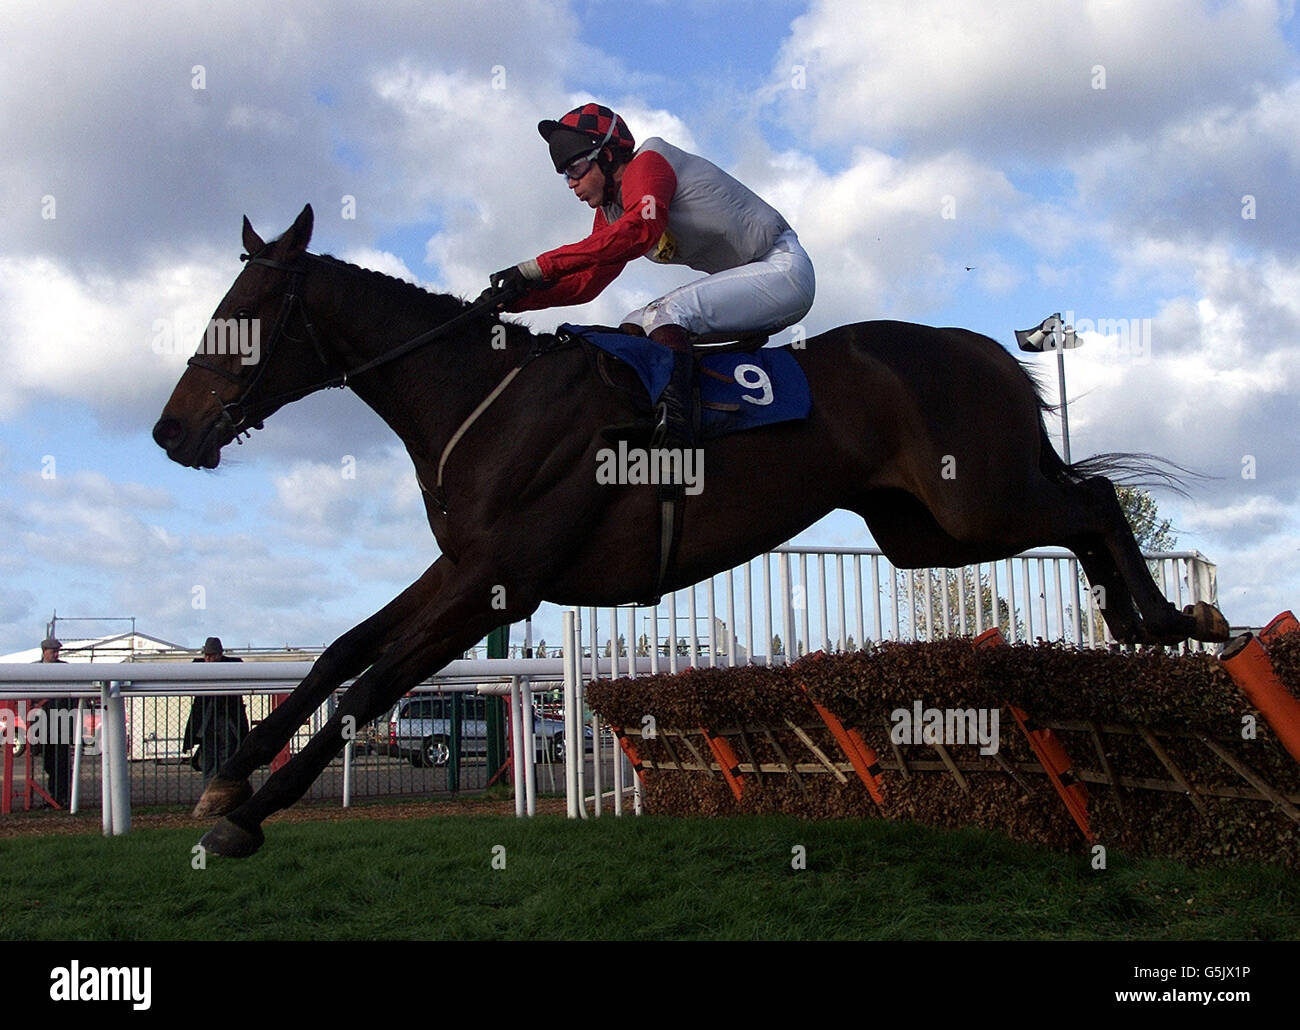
(348, 656)
(996, 517)
(1108, 589)
(1162, 623)
(1087, 518)
(911, 537)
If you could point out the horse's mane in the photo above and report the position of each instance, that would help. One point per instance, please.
(404, 294)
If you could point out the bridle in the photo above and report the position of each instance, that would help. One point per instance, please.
(235, 413)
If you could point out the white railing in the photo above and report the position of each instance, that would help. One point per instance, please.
(834, 598)
(793, 600)
(788, 602)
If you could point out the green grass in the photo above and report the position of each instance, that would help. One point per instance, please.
(628, 879)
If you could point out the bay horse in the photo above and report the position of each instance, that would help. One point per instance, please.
(935, 437)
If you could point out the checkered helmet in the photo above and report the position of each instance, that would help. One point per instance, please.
(582, 130)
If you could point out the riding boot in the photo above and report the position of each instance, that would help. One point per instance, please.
(641, 432)
(677, 404)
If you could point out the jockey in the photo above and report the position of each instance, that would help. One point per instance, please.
(672, 207)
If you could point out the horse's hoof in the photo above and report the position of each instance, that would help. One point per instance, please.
(232, 841)
(1211, 626)
(221, 797)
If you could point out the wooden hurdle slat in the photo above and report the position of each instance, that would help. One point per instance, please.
(1254, 779)
(818, 753)
(1171, 767)
(1095, 732)
(749, 754)
(898, 752)
(780, 753)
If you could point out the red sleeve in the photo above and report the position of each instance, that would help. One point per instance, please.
(577, 288)
(581, 270)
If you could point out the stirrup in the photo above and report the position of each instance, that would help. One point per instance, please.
(659, 434)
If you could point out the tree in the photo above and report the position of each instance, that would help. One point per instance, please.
(1143, 514)
(960, 585)
(622, 647)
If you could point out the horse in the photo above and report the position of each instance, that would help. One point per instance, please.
(934, 436)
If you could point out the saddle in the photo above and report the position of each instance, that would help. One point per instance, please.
(740, 385)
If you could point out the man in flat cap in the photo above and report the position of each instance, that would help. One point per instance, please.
(56, 754)
(217, 723)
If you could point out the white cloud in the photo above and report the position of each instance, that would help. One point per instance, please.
(908, 106)
(371, 500)
(115, 345)
(1017, 77)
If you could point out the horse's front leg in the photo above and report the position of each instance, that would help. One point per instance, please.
(347, 657)
(457, 618)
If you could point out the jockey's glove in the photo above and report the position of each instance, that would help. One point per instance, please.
(517, 279)
(510, 283)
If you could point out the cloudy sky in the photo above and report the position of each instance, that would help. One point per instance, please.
(975, 164)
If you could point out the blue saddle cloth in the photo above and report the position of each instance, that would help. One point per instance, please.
(737, 390)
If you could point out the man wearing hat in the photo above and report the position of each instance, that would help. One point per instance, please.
(56, 754)
(673, 207)
(217, 723)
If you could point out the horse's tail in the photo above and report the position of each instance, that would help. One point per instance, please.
(1123, 468)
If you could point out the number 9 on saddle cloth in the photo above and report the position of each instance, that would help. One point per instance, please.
(737, 390)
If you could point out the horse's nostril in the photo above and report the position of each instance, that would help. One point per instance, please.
(167, 432)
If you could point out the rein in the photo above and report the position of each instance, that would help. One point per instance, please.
(234, 412)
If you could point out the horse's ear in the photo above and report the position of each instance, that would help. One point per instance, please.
(299, 234)
(252, 242)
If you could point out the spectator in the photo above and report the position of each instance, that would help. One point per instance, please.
(217, 724)
(56, 753)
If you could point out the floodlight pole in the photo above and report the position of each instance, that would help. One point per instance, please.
(1065, 447)
(1053, 334)
(1065, 416)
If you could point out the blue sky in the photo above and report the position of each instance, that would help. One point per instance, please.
(1115, 194)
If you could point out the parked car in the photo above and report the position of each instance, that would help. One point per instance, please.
(420, 730)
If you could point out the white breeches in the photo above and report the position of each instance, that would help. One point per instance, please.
(763, 296)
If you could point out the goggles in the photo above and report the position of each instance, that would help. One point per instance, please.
(581, 165)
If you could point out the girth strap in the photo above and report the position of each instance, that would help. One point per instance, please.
(544, 345)
(483, 405)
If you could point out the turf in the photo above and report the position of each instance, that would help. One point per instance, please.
(626, 879)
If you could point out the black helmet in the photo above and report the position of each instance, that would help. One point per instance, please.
(584, 132)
